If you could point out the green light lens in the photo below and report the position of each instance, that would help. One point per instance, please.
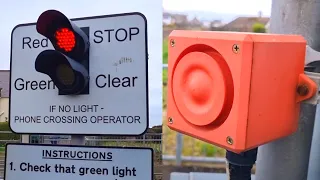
(65, 75)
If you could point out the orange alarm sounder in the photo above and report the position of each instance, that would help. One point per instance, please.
(236, 90)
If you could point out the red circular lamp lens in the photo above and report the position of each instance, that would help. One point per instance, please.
(65, 39)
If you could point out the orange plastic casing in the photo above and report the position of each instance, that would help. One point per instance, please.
(235, 90)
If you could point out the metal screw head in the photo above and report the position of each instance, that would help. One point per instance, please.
(172, 42)
(303, 90)
(170, 120)
(236, 48)
(229, 140)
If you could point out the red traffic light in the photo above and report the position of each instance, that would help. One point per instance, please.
(65, 39)
(64, 35)
(68, 64)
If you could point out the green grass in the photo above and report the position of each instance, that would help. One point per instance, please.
(133, 143)
(157, 149)
(164, 97)
(165, 76)
(165, 60)
(165, 51)
(165, 73)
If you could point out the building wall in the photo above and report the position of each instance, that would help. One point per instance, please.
(4, 109)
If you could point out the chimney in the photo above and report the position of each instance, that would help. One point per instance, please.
(260, 14)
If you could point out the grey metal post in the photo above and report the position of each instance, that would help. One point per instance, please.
(314, 162)
(77, 140)
(179, 149)
(25, 138)
(288, 158)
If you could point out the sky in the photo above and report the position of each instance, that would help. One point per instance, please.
(220, 6)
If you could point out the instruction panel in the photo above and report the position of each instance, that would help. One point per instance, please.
(39, 162)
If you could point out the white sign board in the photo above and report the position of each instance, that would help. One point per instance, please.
(39, 162)
(118, 99)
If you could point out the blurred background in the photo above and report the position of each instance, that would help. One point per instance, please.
(182, 153)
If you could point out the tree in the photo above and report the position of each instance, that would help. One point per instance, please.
(259, 28)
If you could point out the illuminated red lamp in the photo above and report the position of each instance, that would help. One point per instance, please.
(65, 39)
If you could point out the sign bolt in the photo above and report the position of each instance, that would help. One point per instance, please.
(236, 48)
(303, 90)
(170, 120)
(229, 140)
(172, 42)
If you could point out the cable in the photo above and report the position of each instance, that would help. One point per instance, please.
(240, 165)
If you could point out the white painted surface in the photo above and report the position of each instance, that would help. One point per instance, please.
(137, 161)
(110, 108)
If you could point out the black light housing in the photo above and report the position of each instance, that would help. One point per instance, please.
(68, 64)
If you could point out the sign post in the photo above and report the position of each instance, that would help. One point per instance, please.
(85, 76)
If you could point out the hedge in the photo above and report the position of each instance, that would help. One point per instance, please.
(4, 126)
(259, 28)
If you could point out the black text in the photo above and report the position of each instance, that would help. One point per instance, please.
(119, 35)
(27, 42)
